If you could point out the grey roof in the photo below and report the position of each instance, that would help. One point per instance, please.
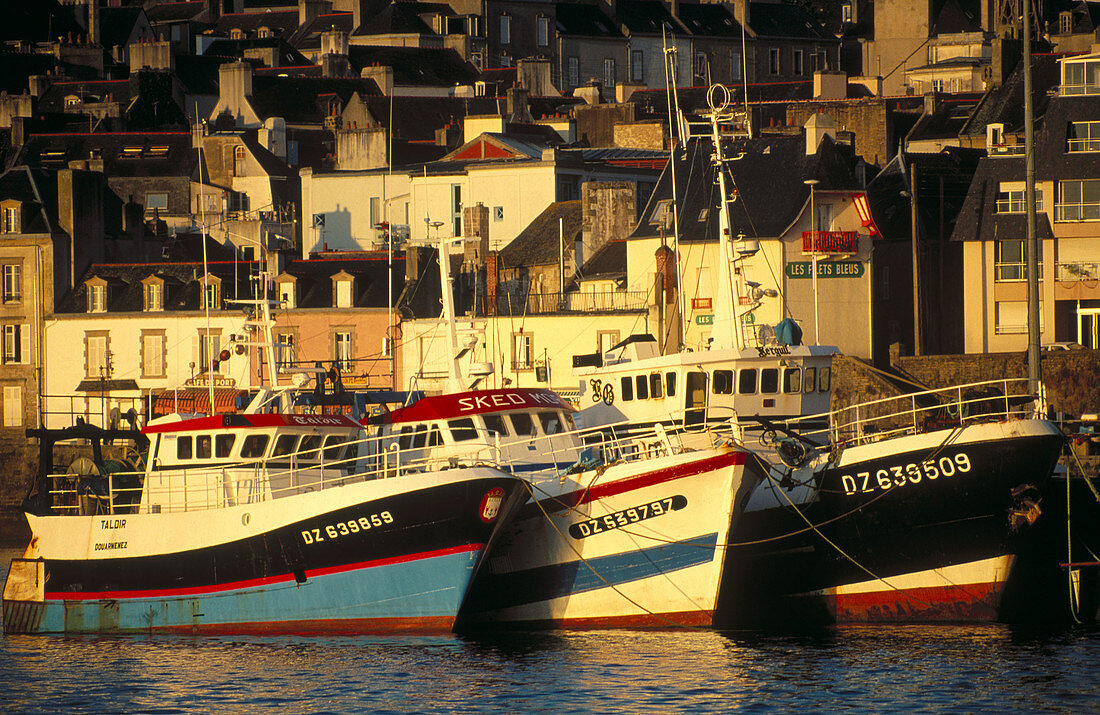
(608, 262)
(1005, 104)
(308, 36)
(414, 65)
(951, 169)
(539, 243)
(181, 282)
(768, 20)
(37, 190)
(166, 12)
(314, 278)
(287, 56)
(399, 17)
(584, 20)
(179, 160)
(281, 22)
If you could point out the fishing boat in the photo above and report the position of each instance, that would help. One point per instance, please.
(266, 520)
(896, 510)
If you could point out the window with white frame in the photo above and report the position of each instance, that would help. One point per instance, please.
(1078, 200)
(522, 356)
(1014, 201)
(211, 293)
(343, 293)
(505, 29)
(341, 352)
(1010, 260)
(573, 69)
(1010, 317)
(96, 346)
(13, 405)
(542, 30)
(10, 219)
(846, 12)
(209, 350)
(456, 209)
(701, 64)
(154, 296)
(154, 358)
(284, 346)
(1081, 77)
(14, 346)
(97, 298)
(1083, 136)
(606, 339)
(13, 283)
(609, 73)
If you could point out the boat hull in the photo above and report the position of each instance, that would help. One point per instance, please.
(910, 529)
(639, 544)
(367, 557)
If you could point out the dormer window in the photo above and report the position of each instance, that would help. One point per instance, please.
(342, 286)
(130, 152)
(1081, 76)
(263, 32)
(71, 101)
(211, 293)
(1065, 23)
(287, 289)
(11, 217)
(236, 34)
(97, 295)
(153, 294)
(846, 12)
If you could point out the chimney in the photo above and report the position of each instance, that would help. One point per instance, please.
(741, 12)
(38, 84)
(382, 76)
(492, 278)
(93, 22)
(308, 10)
(830, 84)
(475, 226)
(517, 106)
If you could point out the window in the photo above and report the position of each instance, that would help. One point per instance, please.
(606, 339)
(284, 351)
(735, 66)
(642, 388)
(701, 65)
(1065, 23)
(154, 296)
(498, 213)
(254, 446)
(505, 29)
(811, 379)
(97, 298)
(796, 66)
(335, 446)
(343, 294)
(523, 425)
(522, 357)
(209, 349)
(342, 351)
(10, 218)
(773, 60)
(1011, 316)
(846, 12)
(670, 384)
(223, 445)
(1083, 136)
(13, 405)
(16, 343)
(130, 152)
(95, 355)
(1081, 77)
(1014, 201)
(462, 430)
(158, 202)
(184, 448)
(542, 30)
(1078, 200)
(203, 447)
(609, 73)
(211, 295)
(824, 379)
(263, 32)
(287, 294)
(456, 208)
(746, 381)
(495, 425)
(637, 66)
(655, 386)
(13, 283)
(819, 61)
(627, 385)
(286, 444)
(153, 357)
(551, 423)
(769, 380)
(1010, 260)
(574, 71)
(722, 382)
(792, 380)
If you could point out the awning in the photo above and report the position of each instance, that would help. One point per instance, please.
(196, 400)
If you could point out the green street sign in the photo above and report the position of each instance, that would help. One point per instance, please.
(825, 269)
(704, 320)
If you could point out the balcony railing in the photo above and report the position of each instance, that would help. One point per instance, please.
(1073, 271)
(548, 303)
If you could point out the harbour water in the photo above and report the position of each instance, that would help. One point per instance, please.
(956, 668)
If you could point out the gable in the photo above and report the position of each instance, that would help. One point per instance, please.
(482, 149)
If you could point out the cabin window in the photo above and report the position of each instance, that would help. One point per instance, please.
(769, 380)
(286, 444)
(823, 379)
(723, 382)
(643, 387)
(523, 425)
(655, 386)
(462, 430)
(495, 425)
(792, 380)
(810, 380)
(311, 447)
(551, 422)
(628, 389)
(670, 384)
(183, 448)
(419, 436)
(202, 447)
(435, 437)
(567, 420)
(746, 382)
(404, 440)
(334, 448)
(223, 445)
(254, 446)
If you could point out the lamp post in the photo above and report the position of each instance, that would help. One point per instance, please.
(813, 254)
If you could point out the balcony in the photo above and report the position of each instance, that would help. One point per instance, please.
(1073, 271)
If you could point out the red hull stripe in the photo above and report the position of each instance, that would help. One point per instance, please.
(602, 491)
(257, 582)
(971, 602)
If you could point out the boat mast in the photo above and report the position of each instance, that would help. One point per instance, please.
(672, 95)
(455, 375)
(1034, 370)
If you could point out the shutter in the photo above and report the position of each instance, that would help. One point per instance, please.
(25, 344)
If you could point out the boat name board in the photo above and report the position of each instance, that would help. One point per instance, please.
(626, 517)
(901, 475)
(825, 269)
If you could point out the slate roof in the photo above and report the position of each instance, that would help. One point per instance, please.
(314, 278)
(415, 66)
(948, 120)
(768, 20)
(646, 17)
(308, 36)
(956, 17)
(53, 99)
(608, 262)
(979, 221)
(709, 20)
(295, 99)
(37, 189)
(654, 102)
(116, 24)
(584, 21)
(16, 67)
(174, 11)
(38, 21)
(1005, 104)
(539, 243)
(891, 209)
(398, 17)
(199, 73)
(768, 177)
(39, 150)
(281, 22)
(182, 290)
(287, 56)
